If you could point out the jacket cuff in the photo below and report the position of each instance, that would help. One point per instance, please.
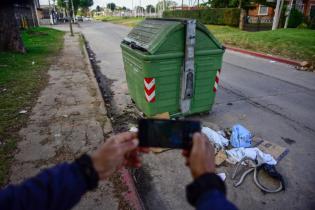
(203, 184)
(88, 172)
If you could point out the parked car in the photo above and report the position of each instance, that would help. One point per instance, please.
(87, 18)
(79, 18)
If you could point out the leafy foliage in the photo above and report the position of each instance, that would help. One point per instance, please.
(159, 5)
(150, 8)
(218, 16)
(312, 23)
(98, 8)
(84, 4)
(246, 4)
(139, 9)
(111, 6)
(296, 18)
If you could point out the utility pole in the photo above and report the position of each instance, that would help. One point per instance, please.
(242, 15)
(276, 16)
(182, 4)
(288, 15)
(69, 18)
(50, 13)
(132, 9)
(164, 5)
(73, 16)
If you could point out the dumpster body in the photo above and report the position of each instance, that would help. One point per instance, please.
(155, 54)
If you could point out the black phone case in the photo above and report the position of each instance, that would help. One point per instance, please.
(151, 135)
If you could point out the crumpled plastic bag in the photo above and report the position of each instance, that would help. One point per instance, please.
(241, 137)
(214, 137)
(237, 154)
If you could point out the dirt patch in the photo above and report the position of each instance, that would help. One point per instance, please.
(120, 122)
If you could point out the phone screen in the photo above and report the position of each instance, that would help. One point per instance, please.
(167, 133)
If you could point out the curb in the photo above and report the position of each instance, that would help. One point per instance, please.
(265, 56)
(132, 195)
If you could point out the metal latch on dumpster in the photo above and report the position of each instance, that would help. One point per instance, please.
(188, 73)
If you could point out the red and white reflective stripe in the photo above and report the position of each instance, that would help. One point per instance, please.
(216, 82)
(149, 89)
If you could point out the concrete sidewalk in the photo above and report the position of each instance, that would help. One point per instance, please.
(68, 120)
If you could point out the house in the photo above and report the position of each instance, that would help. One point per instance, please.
(309, 9)
(264, 14)
(26, 14)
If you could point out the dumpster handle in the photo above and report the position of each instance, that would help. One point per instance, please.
(134, 46)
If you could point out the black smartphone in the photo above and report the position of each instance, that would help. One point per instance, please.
(174, 134)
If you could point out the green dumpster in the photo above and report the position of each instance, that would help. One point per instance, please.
(172, 65)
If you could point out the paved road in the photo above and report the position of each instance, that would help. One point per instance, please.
(273, 100)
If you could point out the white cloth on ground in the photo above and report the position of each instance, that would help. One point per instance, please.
(214, 137)
(237, 154)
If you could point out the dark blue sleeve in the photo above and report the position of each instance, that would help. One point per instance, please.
(214, 200)
(60, 187)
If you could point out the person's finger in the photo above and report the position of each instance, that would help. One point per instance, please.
(144, 149)
(126, 136)
(185, 153)
(198, 143)
(133, 161)
(128, 146)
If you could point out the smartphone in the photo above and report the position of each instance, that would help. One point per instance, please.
(174, 134)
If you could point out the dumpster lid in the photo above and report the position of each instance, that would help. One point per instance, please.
(150, 34)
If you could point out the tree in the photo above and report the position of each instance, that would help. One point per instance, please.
(85, 4)
(150, 9)
(76, 5)
(140, 9)
(160, 5)
(98, 8)
(111, 6)
(10, 36)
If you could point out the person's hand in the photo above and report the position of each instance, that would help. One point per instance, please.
(200, 159)
(119, 150)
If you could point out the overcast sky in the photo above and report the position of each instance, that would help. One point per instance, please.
(127, 3)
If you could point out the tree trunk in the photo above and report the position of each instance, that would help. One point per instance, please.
(10, 37)
(242, 17)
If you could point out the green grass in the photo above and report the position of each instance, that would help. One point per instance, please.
(21, 78)
(131, 22)
(297, 44)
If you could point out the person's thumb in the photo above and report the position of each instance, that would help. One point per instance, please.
(128, 146)
(198, 143)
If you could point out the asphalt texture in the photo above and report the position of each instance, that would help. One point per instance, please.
(273, 100)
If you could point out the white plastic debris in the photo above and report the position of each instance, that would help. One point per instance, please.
(133, 129)
(237, 154)
(222, 133)
(216, 138)
(23, 112)
(222, 176)
(33, 62)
